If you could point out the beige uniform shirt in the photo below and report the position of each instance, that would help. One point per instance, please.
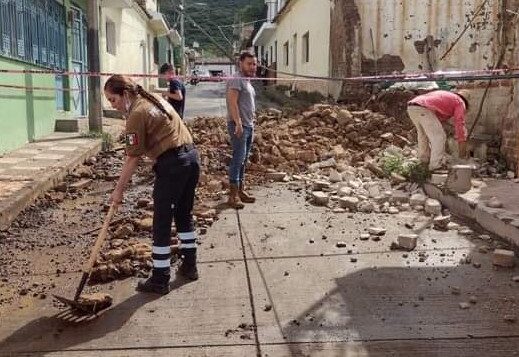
(150, 132)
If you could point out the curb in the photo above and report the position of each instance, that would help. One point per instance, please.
(12, 206)
(494, 220)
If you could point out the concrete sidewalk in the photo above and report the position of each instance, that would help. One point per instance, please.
(274, 283)
(30, 171)
(473, 205)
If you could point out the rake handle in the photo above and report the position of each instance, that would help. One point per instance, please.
(87, 268)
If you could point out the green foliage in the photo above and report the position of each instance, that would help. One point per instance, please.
(412, 170)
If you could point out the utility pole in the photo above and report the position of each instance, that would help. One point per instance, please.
(183, 39)
(95, 111)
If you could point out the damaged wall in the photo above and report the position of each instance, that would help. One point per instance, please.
(373, 37)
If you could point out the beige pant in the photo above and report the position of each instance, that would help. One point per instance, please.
(431, 136)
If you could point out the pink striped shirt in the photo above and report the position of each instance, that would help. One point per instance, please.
(446, 105)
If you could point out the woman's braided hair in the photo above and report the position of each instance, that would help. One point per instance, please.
(118, 84)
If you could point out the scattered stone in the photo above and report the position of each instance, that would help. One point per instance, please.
(341, 245)
(376, 231)
(510, 175)
(452, 226)
(393, 210)
(276, 176)
(350, 203)
(485, 237)
(145, 224)
(503, 258)
(142, 203)
(267, 307)
(353, 260)
(124, 231)
(335, 176)
(81, 184)
(398, 178)
(510, 318)
(455, 290)
(494, 203)
(320, 198)
(387, 136)
(366, 207)
(464, 305)
(473, 299)
(364, 236)
(464, 231)
(345, 191)
(407, 241)
(321, 185)
(417, 200)
(438, 179)
(400, 197)
(433, 207)
(441, 223)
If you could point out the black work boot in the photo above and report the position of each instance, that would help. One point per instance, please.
(188, 267)
(154, 285)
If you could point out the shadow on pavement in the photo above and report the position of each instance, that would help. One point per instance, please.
(412, 311)
(53, 333)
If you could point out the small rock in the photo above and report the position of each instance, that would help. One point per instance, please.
(441, 222)
(276, 176)
(473, 299)
(400, 197)
(393, 210)
(515, 279)
(433, 207)
(503, 258)
(438, 179)
(451, 226)
(123, 231)
(335, 176)
(510, 175)
(387, 136)
(345, 191)
(455, 290)
(81, 184)
(464, 231)
(376, 231)
(321, 185)
(464, 305)
(417, 199)
(353, 260)
(510, 318)
(267, 307)
(143, 203)
(398, 178)
(364, 236)
(341, 245)
(407, 241)
(320, 198)
(350, 203)
(494, 203)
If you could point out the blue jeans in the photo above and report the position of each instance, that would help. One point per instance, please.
(241, 148)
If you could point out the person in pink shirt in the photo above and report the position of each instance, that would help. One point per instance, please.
(428, 112)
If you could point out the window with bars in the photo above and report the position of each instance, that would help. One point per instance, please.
(34, 31)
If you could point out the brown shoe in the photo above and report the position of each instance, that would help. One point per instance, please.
(234, 198)
(245, 197)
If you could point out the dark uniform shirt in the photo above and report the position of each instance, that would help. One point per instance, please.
(151, 132)
(178, 105)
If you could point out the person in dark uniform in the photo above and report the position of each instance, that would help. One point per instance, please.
(154, 129)
(177, 91)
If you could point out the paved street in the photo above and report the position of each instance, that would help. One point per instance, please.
(205, 99)
(274, 283)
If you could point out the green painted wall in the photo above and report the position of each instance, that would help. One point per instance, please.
(26, 115)
(29, 115)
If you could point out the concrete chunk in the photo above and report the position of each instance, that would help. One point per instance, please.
(376, 231)
(320, 185)
(417, 199)
(335, 176)
(438, 179)
(320, 198)
(407, 241)
(350, 203)
(433, 207)
(504, 258)
(276, 176)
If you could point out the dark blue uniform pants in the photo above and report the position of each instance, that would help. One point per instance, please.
(177, 172)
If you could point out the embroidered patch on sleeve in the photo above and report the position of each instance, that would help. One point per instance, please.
(132, 139)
